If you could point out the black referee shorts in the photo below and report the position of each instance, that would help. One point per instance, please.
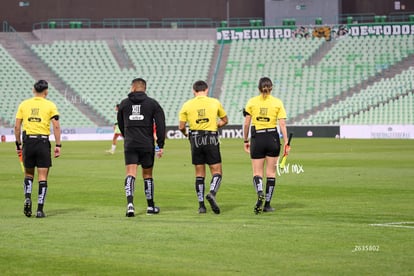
(36, 153)
(265, 144)
(143, 157)
(205, 149)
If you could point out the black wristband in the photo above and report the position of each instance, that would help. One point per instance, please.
(18, 145)
(58, 145)
(246, 141)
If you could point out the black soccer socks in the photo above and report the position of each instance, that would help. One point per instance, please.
(149, 191)
(130, 188)
(270, 187)
(215, 183)
(258, 183)
(27, 186)
(42, 195)
(200, 189)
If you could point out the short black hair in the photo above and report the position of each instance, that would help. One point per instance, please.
(40, 86)
(200, 86)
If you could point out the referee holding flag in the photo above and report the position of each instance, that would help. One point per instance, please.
(35, 115)
(262, 114)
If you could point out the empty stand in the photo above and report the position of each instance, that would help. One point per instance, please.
(281, 60)
(350, 62)
(16, 85)
(169, 67)
(318, 84)
(387, 95)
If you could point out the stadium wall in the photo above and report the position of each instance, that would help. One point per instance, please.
(304, 12)
(48, 35)
(23, 14)
(22, 17)
(379, 7)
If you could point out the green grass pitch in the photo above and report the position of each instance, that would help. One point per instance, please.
(343, 207)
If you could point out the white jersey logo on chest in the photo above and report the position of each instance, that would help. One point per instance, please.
(136, 113)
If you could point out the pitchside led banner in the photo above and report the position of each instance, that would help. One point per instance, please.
(328, 32)
(377, 131)
(236, 132)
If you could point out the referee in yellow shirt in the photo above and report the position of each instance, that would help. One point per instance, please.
(204, 115)
(35, 116)
(262, 114)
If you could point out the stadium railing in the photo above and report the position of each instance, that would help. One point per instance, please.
(188, 23)
(72, 23)
(354, 18)
(77, 23)
(346, 18)
(401, 17)
(125, 23)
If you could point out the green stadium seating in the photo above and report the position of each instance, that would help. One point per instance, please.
(16, 85)
(301, 86)
(302, 78)
(169, 67)
(386, 95)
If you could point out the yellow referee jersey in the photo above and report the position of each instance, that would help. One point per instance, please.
(201, 113)
(36, 114)
(265, 111)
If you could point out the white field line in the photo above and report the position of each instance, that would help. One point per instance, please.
(402, 224)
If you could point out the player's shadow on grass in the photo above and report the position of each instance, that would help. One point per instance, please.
(289, 205)
(58, 212)
(277, 206)
(230, 207)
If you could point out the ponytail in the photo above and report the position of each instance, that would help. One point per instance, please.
(266, 90)
(265, 86)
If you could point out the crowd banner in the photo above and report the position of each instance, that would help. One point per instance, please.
(328, 32)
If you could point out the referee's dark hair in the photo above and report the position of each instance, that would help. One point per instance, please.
(200, 86)
(265, 85)
(139, 81)
(41, 86)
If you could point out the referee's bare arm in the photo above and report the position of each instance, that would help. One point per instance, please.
(120, 121)
(222, 122)
(18, 131)
(56, 133)
(183, 128)
(282, 125)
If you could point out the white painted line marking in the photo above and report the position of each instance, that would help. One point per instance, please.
(402, 224)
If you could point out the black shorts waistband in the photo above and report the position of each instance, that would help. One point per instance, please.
(40, 136)
(203, 132)
(266, 130)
